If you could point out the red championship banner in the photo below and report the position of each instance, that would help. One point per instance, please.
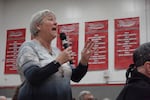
(72, 32)
(98, 32)
(14, 39)
(126, 41)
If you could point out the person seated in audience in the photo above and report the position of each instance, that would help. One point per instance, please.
(86, 95)
(138, 76)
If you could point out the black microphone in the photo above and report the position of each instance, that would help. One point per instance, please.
(64, 40)
(65, 43)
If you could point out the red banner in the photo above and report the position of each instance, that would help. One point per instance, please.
(72, 32)
(126, 41)
(14, 39)
(98, 32)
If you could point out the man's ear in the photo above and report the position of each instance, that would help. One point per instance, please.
(147, 66)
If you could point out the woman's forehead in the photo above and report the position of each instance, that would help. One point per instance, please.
(50, 15)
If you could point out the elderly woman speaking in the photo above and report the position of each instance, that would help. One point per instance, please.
(44, 69)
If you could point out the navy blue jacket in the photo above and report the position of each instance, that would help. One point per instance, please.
(138, 88)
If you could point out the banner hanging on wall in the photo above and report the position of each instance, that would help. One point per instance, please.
(72, 32)
(14, 40)
(98, 32)
(126, 41)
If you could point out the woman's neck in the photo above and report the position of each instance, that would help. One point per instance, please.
(45, 43)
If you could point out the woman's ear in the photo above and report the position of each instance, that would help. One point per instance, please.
(38, 26)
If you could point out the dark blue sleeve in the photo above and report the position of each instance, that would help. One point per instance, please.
(78, 72)
(35, 75)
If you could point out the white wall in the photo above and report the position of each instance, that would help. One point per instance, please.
(17, 14)
(148, 19)
(2, 39)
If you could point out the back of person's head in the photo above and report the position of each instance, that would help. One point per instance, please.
(37, 19)
(85, 95)
(3, 98)
(140, 56)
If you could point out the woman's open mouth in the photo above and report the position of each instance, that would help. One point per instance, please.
(54, 29)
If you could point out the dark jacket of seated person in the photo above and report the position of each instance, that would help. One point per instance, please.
(138, 76)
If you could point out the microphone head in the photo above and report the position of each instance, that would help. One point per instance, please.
(63, 36)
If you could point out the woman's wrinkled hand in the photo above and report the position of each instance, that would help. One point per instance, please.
(65, 56)
(86, 52)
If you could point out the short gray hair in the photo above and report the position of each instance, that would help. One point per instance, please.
(82, 94)
(141, 54)
(3, 98)
(37, 19)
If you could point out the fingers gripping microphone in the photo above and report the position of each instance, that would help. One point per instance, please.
(65, 42)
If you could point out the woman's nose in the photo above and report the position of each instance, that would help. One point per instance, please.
(55, 23)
